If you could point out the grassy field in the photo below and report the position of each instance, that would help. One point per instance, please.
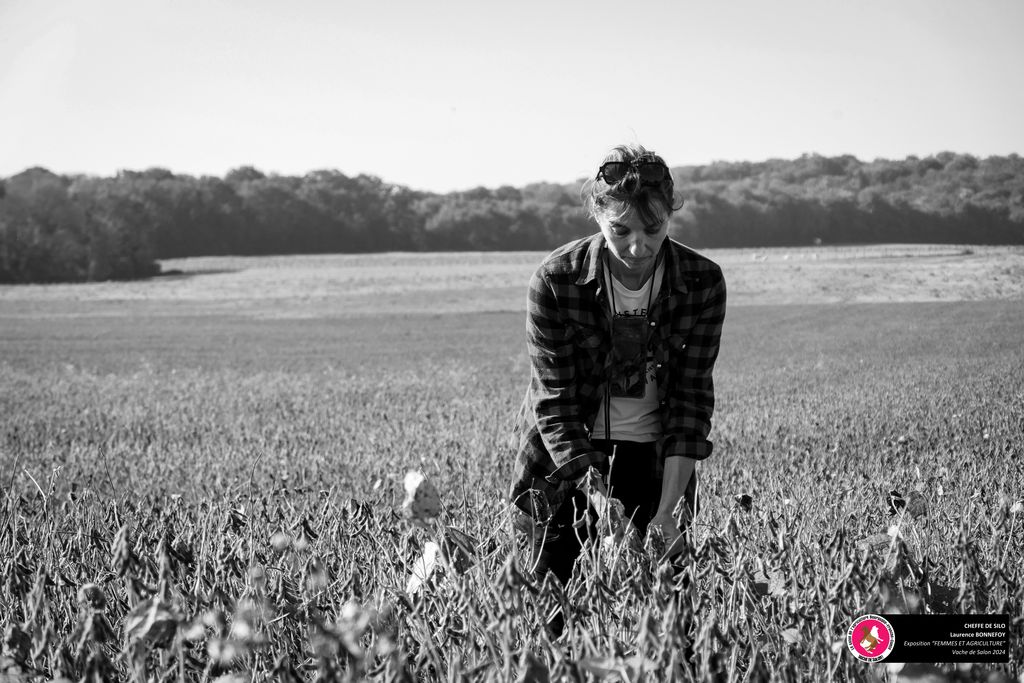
(203, 473)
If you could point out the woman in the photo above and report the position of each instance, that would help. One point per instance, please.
(623, 329)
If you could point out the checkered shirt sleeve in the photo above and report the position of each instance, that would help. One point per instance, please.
(554, 388)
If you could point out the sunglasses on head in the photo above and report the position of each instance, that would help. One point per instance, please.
(650, 171)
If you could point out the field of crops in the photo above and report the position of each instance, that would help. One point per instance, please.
(203, 486)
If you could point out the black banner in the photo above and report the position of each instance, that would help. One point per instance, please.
(978, 638)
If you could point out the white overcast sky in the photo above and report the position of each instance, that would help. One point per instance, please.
(458, 93)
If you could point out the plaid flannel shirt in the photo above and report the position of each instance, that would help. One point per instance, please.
(568, 331)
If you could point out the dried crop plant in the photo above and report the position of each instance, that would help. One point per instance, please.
(218, 525)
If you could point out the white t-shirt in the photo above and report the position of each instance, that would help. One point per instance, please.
(633, 419)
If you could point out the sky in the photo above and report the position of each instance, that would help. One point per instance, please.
(451, 95)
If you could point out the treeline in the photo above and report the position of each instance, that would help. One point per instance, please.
(72, 228)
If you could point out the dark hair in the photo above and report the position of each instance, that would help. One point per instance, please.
(654, 203)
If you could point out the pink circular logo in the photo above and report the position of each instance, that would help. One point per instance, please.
(870, 638)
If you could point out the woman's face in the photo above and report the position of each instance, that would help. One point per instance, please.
(634, 246)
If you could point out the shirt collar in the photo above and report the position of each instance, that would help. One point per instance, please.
(675, 268)
(592, 262)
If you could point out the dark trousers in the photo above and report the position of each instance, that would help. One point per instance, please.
(632, 479)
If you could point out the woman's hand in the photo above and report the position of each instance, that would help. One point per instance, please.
(611, 515)
(609, 510)
(673, 507)
(664, 525)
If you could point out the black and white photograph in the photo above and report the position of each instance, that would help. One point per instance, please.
(533, 342)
